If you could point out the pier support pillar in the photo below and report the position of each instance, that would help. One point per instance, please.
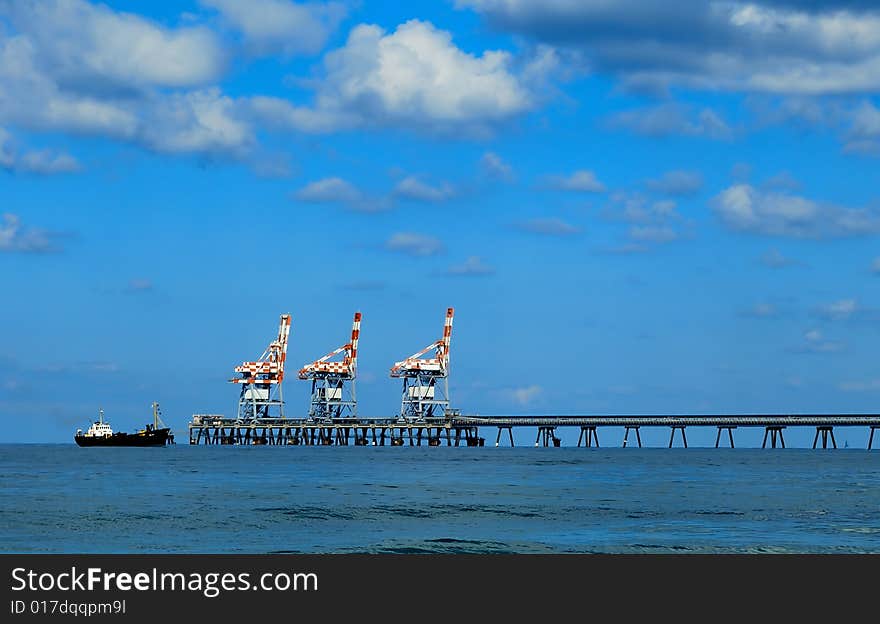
(730, 429)
(774, 431)
(626, 435)
(683, 435)
(509, 435)
(588, 435)
(825, 430)
(871, 437)
(547, 434)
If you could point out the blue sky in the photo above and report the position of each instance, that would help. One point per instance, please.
(646, 207)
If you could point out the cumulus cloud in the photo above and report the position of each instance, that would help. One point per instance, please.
(413, 244)
(414, 77)
(41, 162)
(678, 183)
(335, 190)
(329, 190)
(16, 238)
(672, 119)
(847, 310)
(93, 48)
(474, 265)
(203, 121)
(494, 167)
(411, 188)
(746, 209)
(549, 226)
(839, 310)
(815, 342)
(762, 46)
(863, 136)
(650, 220)
(280, 26)
(583, 181)
(67, 65)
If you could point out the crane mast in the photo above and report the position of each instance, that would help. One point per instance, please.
(422, 396)
(260, 380)
(333, 380)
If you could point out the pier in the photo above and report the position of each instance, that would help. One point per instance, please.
(426, 415)
(464, 430)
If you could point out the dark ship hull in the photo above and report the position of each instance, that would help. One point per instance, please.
(154, 437)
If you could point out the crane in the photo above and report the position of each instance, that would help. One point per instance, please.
(420, 374)
(260, 380)
(333, 389)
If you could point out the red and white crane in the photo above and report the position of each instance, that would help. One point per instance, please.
(420, 398)
(333, 387)
(260, 380)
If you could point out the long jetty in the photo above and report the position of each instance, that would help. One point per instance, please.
(455, 429)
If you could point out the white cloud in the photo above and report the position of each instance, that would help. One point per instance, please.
(413, 244)
(494, 167)
(848, 310)
(32, 98)
(414, 189)
(335, 190)
(474, 265)
(42, 162)
(82, 68)
(677, 182)
(97, 49)
(414, 77)
(839, 310)
(527, 394)
(744, 208)
(15, 238)
(672, 119)
(651, 221)
(278, 114)
(329, 190)
(583, 181)
(863, 136)
(776, 46)
(280, 26)
(549, 226)
(815, 342)
(640, 209)
(203, 121)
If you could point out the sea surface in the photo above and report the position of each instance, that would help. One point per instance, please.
(220, 499)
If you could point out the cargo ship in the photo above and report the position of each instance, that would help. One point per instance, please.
(101, 434)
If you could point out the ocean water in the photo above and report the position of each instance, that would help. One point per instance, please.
(60, 498)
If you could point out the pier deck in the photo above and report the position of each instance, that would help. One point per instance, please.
(455, 429)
